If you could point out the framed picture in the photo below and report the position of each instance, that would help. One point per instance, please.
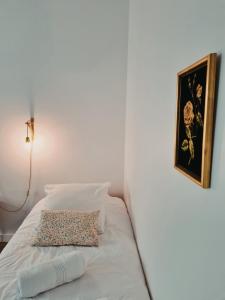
(195, 112)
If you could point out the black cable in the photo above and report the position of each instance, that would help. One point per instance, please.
(29, 184)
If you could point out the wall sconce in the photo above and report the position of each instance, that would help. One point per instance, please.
(30, 130)
(29, 141)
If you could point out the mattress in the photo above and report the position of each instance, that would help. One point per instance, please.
(113, 272)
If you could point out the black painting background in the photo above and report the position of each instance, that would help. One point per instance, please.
(194, 169)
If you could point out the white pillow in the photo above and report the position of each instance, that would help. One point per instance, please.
(50, 188)
(81, 197)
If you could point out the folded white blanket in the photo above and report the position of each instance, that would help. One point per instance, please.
(48, 275)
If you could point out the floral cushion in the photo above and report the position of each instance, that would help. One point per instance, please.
(67, 227)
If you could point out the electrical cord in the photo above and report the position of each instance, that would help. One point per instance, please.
(29, 184)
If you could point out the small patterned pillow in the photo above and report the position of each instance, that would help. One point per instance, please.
(67, 227)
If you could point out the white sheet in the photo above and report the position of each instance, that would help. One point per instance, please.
(113, 272)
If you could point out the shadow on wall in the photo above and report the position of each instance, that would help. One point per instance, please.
(11, 220)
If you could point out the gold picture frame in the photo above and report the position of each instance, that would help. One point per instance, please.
(195, 120)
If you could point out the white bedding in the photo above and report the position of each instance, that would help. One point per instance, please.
(113, 272)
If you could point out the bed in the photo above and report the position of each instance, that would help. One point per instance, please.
(113, 273)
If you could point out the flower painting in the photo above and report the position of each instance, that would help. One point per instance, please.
(195, 109)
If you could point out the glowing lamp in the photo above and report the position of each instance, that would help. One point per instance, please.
(27, 139)
(30, 130)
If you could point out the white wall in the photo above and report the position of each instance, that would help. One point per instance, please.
(64, 62)
(179, 226)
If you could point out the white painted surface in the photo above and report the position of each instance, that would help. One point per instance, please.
(179, 226)
(64, 61)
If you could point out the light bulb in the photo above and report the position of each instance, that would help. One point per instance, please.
(27, 139)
